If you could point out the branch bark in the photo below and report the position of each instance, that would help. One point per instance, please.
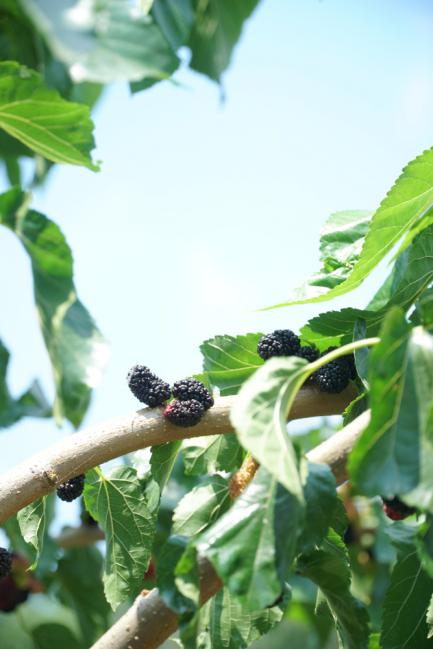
(149, 622)
(147, 427)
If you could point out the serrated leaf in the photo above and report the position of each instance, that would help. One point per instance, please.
(212, 453)
(328, 567)
(77, 350)
(217, 28)
(252, 545)
(394, 455)
(341, 241)
(162, 460)
(38, 117)
(406, 202)
(407, 600)
(259, 417)
(32, 403)
(80, 575)
(224, 624)
(119, 505)
(32, 521)
(320, 505)
(201, 506)
(412, 273)
(229, 360)
(121, 42)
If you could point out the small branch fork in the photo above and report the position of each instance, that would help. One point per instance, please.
(149, 622)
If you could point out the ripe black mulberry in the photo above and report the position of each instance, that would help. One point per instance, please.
(187, 389)
(282, 342)
(310, 354)
(147, 387)
(184, 413)
(71, 489)
(332, 377)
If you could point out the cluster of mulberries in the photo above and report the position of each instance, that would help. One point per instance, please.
(332, 377)
(191, 398)
(191, 401)
(395, 509)
(71, 489)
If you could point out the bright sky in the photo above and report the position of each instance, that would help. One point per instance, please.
(205, 211)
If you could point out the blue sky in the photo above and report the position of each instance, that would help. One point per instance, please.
(206, 210)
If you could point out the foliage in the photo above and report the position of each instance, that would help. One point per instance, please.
(290, 552)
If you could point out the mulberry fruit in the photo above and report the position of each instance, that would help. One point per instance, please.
(71, 489)
(395, 509)
(5, 562)
(281, 342)
(310, 354)
(147, 387)
(184, 413)
(187, 389)
(332, 377)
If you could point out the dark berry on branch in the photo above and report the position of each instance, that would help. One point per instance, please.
(147, 387)
(281, 342)
(332, 377)
(396, 510)
(5, 562)
(310, 354)
(184, 413)
(71, 489)
(192, 389)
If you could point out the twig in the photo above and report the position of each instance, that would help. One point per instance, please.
(149, 622)
(82, 451)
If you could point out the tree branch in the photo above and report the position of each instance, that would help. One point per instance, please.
(82, 451)
(149, 621)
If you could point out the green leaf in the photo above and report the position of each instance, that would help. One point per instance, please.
(79, 572)
(178, 599)
(207, 455)
(407, 201)
(407, 600)
(201, 506)
(175, 19)
(260, 418)
(394, 455)
(32, 403)
(328, 567)
(120, 506)
(12, 633)
(411, 274)
(32, 522)
(225, 624)
(76, 347)
(217, 28)
(120, 43)
(39, 118)
(423, 314)
(49, 623)
(253, 544)
(320, 505)
(341, 242)
(229, 360)
(162, 460)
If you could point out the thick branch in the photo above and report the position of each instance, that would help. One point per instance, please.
(82, 451)
(149, 622)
